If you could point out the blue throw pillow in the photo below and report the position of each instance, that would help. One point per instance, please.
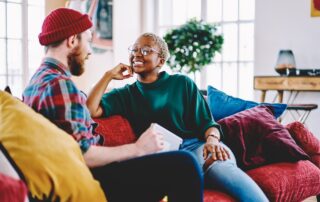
(223, 105)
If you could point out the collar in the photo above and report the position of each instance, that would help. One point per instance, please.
(163, 76)
(57, 65)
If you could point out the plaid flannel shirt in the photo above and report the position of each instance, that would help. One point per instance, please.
(52, 93)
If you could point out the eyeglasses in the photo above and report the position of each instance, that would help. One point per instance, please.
(144, 50)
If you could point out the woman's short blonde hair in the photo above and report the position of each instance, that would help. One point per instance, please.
(164, 51)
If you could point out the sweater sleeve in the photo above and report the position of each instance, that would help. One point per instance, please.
(201, 117)
(113, 102)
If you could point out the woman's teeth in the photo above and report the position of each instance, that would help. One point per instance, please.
(138, 63)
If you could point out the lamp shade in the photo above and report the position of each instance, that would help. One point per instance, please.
(285, 61)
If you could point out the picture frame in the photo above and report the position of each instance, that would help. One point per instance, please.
(101, 13)
(315, 8)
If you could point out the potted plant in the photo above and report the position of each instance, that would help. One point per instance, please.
(192, 46)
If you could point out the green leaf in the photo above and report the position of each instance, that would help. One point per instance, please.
(192, 46)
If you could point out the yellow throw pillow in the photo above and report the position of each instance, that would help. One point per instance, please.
(49, 159)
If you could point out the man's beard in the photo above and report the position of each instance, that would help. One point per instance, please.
(76, 62)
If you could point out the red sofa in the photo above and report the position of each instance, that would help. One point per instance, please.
(280, 181)
(12, 190)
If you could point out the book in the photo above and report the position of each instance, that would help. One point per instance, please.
(303, 72)
(172, 142)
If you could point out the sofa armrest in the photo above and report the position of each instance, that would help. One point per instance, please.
(306, 140)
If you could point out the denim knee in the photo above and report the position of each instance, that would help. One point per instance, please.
(225, 175)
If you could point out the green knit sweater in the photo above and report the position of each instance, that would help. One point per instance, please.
(173, 101)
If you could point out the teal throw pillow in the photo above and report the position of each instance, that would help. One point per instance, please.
(222, 105)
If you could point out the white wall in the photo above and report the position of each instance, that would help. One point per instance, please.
(126, 28)
(95, 67)
(280, 24)
(286, 24)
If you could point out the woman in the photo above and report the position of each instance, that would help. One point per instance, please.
(174, 102)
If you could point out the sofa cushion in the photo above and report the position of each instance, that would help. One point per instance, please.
(12, 190)
(222, 105)
(116, 130)
(50, 160)
(257, 138)
(306, 140)
(120, 126)
(7, 166)
(288, 181)
(214, 195)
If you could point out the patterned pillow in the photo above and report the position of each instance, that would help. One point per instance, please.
(49, 159)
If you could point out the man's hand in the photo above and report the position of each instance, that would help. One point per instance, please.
(118, 72)
(149, 142)
(213, 151)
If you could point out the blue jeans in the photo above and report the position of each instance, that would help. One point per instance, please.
(226, 175)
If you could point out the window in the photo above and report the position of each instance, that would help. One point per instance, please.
(232, 70)
(20, 51)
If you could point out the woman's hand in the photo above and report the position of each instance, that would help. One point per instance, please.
(118, 72)
(94, 98)
(213, 151)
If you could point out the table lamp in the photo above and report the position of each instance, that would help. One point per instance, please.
(285, 61)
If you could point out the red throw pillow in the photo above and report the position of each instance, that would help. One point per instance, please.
(306, 140)
(257, 138)
(116, 130)
(12, 190)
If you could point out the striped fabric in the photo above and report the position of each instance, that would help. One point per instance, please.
(52, 93)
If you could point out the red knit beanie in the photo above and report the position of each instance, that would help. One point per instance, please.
(62, 23)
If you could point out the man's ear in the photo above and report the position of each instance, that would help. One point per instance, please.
(71, 40)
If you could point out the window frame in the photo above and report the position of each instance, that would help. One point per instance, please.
(24, 73)
(203, 74)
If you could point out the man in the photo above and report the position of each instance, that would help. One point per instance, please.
(51, 92)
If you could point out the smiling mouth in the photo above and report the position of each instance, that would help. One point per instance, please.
(137, 63)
